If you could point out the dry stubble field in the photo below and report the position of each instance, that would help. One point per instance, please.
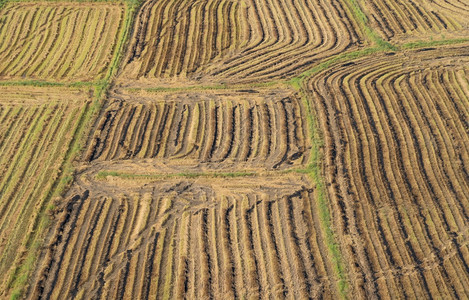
(234, 149)
(396, 138)
(37, 128)
(234, 41)
(58, 41)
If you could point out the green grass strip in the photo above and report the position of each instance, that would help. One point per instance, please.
(372, 35)
(221, 86)
(424, 44)
(315, 173)
(103, 174)
(130, 12)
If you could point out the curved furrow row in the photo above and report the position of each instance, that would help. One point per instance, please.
(395, 165)
(397, 18)
(175, 38)
(454, 6)
(231, 131)
(240, 41)
(308, 31)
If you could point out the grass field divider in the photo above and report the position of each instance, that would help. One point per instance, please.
(220, 86)
(424, 44)
(122, 43)
(43, 83)
(363, 22)
(103, 174)
(2, 3)
(314, 170)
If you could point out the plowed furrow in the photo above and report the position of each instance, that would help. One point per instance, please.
(392, 133)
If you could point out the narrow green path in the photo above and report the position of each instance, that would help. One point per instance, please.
(103, 174)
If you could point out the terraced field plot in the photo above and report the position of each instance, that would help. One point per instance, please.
(397, 162)
(246, 129)
(403, 19)
(36, 128)
(58, 41)
(224, 40)
(242, 237)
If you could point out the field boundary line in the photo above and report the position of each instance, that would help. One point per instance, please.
(362, 19)
(423, 44)
(314, 171)
(221, 86)
(101, 175)
(131, 7)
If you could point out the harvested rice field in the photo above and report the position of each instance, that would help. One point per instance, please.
(234, 41)
(58, 41)
(37, 129)
(221, 149)
(264, 128)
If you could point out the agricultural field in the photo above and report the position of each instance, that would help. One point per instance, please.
(37, 126)
(58, 41)
(234, 41)
(243, 128)
(396, 139)
(402, 20)
(245, 149)
(176, 238)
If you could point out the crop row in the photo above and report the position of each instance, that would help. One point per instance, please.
(397, 169)
(178, 37)
(58, 41)
(231, 129)
(34, 138)
(232, 40)
(395, 18)
(455, 7)
(181, 239)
